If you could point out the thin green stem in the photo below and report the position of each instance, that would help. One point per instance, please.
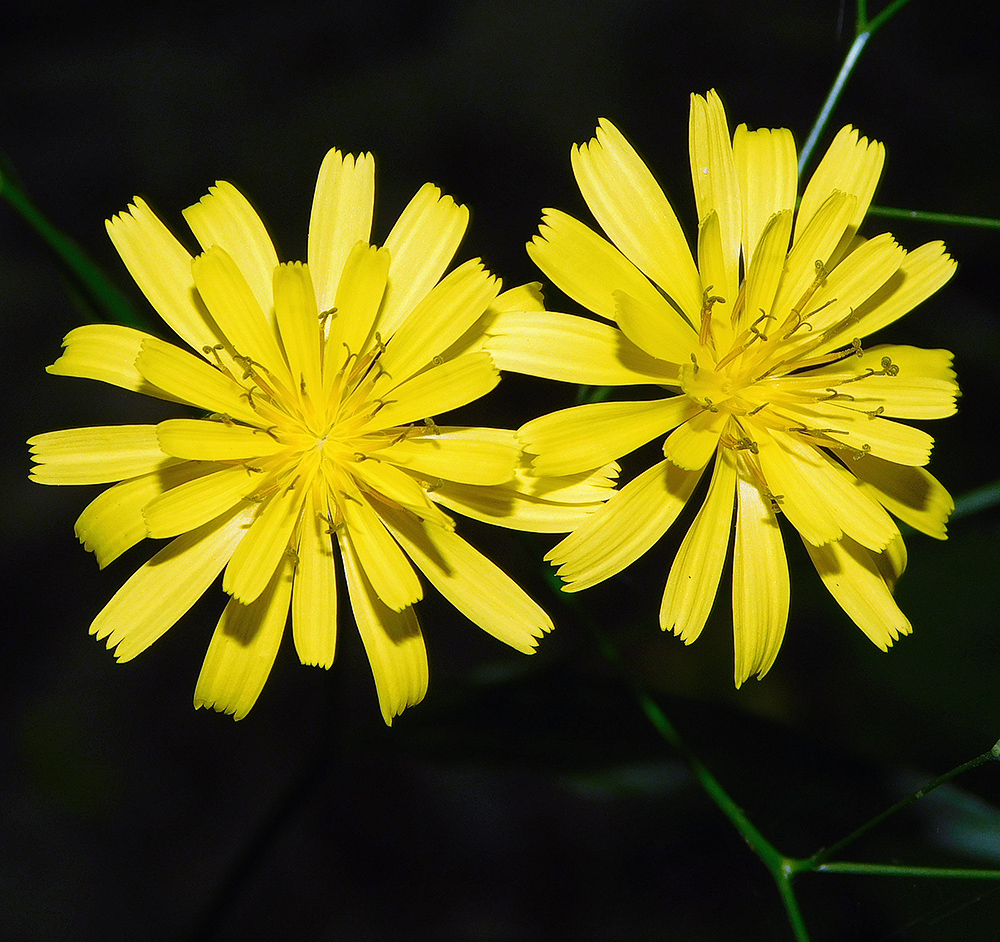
(781, 868)
(894, 870)
(864, 29)
(824, 854)
(981, 498)
(889, 212)
(98, 291)
(822, 119)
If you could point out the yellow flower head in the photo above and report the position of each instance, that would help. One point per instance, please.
(321, 381)
(762, 346)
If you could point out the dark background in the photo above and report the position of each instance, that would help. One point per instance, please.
(527, 798)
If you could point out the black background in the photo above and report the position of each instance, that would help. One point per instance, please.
(527, 798)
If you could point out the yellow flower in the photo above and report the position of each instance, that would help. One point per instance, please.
(762, 342)
(313, 375)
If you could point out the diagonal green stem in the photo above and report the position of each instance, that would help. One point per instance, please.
(98, 290)
(781, 868)
(864, 29)
(822, 856)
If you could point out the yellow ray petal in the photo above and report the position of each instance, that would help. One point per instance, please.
(632, 209)
(192, 380)
(853, 577)
(298, 325)
(692, 444)
(716, 185)
(235, 309)
(421, 245)
(341, 217)
(205, 440)
(161, 267)
(164, 588)
(243, 648)
(107, 352)
(765, 273)
(760, 583)
(314, 591)
(113, 521)
(656, 329)
(835, 495)
(697, 567)
(394, 486)
(768, 179)
(266, 546)
(198, 500)
(439, 389)
(912, 494)
(359, 297)
(466, 455)
(97, 455)
(720, 292)
(537, 504)
(812, 244)
(387, 569)
(477, 588)
(794, 487)
(624, 528)
(224, 217)
(920, 384)
(439, 319)
(591, 435)
(850, 165)
(864, 432)
(572, 349)
(590, 269)
(852, 282)
(922, 272)
(392, 640)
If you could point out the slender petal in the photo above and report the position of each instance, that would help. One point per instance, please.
(224, 217)
(760, 583)
(107, 352)
(314, 590)
(855, 580)
(96, 455)
(632, 209)
(341, 217)
(392, 640)
(168, 585)
(591, 435)
(243, 648)
(625, 527)
(768, 178)
(421, 246)
(697, 568)
(476, 587)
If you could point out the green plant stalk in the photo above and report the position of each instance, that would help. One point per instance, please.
(783, 869)
(98, 291)
(864, 29)
(952, 219)
(892, 870)
(821, 857)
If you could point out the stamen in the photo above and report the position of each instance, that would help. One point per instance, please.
(222, 417)
(694, 360)
(708, 301)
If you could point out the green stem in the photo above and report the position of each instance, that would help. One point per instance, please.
(864, 29)
(781, 868)
(983, 222)
(822, 856)
(98, 291)
(981, 498)
(893, 870)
